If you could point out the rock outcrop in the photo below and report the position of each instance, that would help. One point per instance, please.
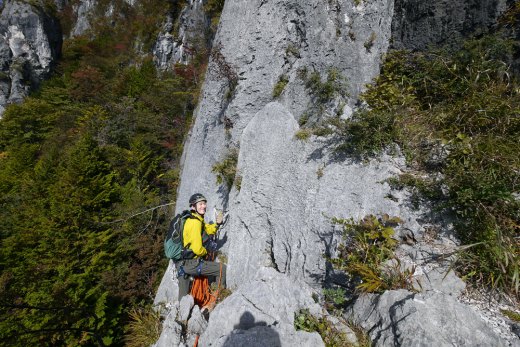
(30, 42)
(286, 189)
(421, 24)
(180, 37)
(402, 318)
(82, 10)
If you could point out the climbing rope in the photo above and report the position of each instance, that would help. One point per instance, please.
(201, 290)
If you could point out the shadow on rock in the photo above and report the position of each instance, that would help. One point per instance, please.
(249, 332)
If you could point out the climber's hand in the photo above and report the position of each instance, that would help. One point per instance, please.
(219, 217)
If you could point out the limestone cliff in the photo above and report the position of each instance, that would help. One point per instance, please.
(30, 42)
(285, 189)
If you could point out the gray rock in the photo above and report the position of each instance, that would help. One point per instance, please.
(441, 280)
(83, 10)
(177, 45)
(419, 24)
(401, 318)
(30, 42)
(197, 323)
(262, 336)
(171, 332)
(268, 303)
(168, 290)
(186, 304)
(276, 222)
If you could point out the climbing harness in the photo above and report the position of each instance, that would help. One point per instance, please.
(199, 267)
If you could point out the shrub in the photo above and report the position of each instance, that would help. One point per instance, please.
(303, 134)
(367, 253)
(464, 104)
(214, 9)
(226, 170)
(335, 296)
(369, 43)
(324, 92)
(144, 328)
(514, 316)
(292, 50)
(331, 336)
(280, 86)
(363, 135)
(223, 294)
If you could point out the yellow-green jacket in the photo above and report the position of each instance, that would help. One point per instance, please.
(193, 233)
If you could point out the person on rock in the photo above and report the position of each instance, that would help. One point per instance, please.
(193, 263)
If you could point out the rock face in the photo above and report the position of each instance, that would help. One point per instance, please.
(261, 313)
(405, 319)
(82, 10)
(419, 24)
(177, 44)
(30, 41)
(286, 189)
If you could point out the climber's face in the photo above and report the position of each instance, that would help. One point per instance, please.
(200, 207)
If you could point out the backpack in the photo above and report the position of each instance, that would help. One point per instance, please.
(173, 243)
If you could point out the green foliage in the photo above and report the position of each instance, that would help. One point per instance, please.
(330, 335)
(367, 253)
(223, 294)
(144, 328)
(226, 170)
(369, 43)
(303, 134)
(363, 135)
(280, 86)
(514, 316)
(323, 94)
(363, 339)
(319, 172)
(454, 113)
(292, 50)
(336, 296)
(214, 9)
(325, 91)
(99, 141)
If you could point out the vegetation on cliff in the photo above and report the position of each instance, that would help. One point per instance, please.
(454, 115)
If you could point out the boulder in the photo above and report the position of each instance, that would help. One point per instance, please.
(171, 332)
(402, 318)
(261, 312)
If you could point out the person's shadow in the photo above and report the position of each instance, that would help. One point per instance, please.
(252, 334)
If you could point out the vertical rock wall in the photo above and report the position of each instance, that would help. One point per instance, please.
(180, 37)
(30, 42)
(277, 216)
(419, 24)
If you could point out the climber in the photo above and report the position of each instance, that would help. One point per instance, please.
(193, 263)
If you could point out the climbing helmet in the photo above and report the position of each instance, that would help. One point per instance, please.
(196, 198)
